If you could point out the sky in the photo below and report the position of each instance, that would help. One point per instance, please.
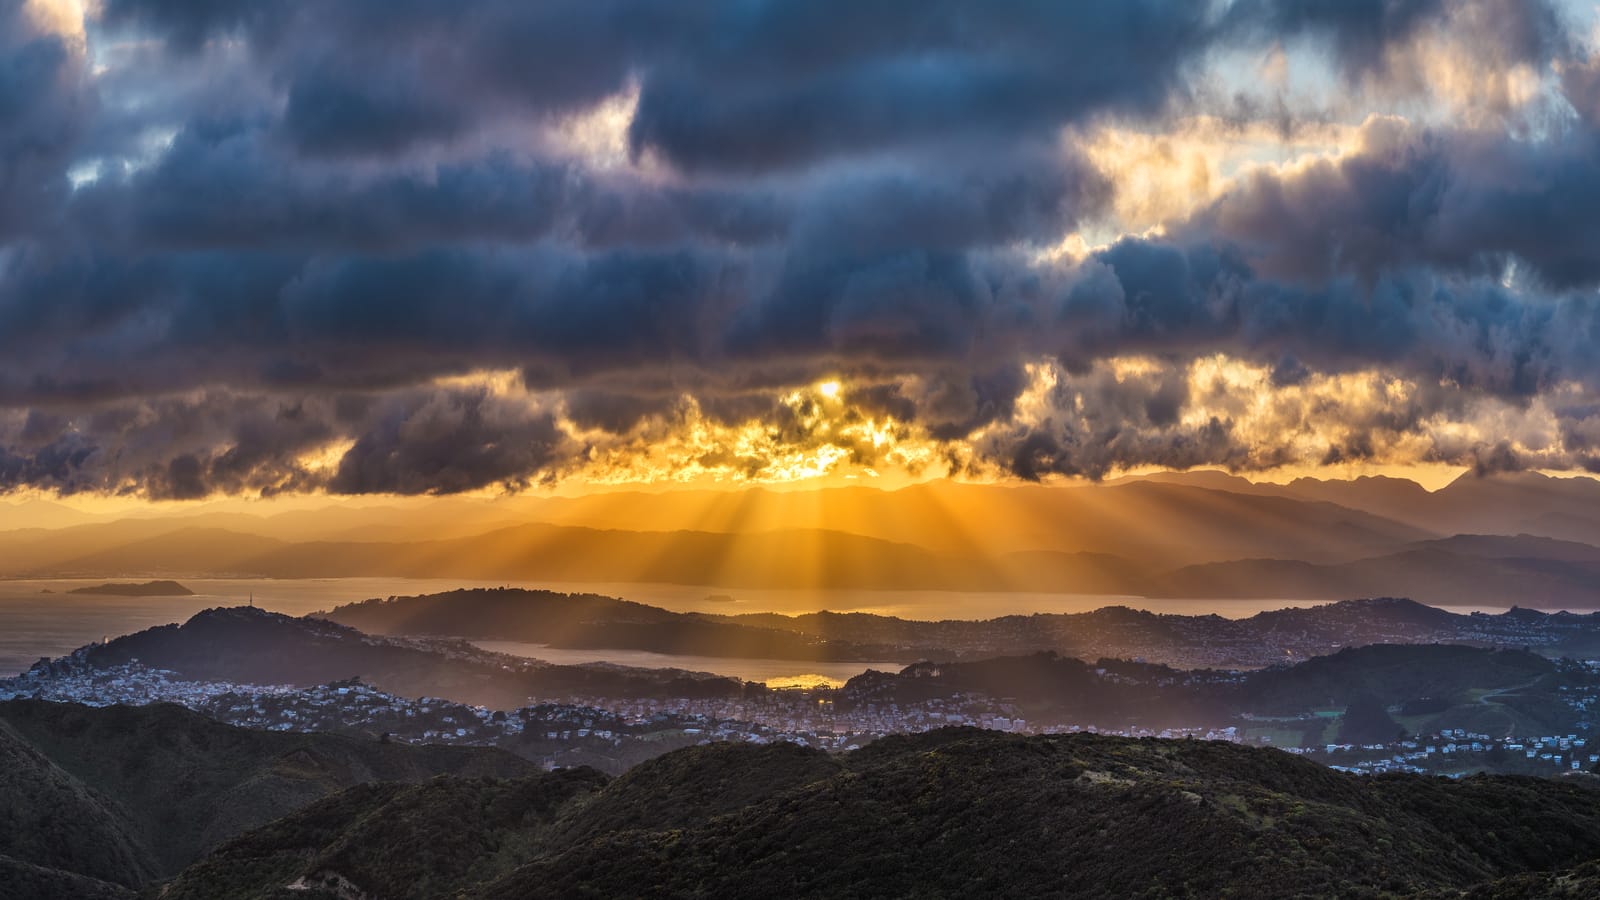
(352, 247)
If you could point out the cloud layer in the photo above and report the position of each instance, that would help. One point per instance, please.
(399, 247)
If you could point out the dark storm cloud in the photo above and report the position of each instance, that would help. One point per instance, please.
(478, 61)
(436, 275)
(786, 83)
(187, 23)
(335, 111)
(297, 219)
(220, 185)
(616, 412)
(445, 443)
(1463, 201)
(1102, 420)
(410, 441)
(166, 448)
(223, 183)
(45, 107)
(723, 85)
(1361, 31)
(586, 313)
(1163, 298)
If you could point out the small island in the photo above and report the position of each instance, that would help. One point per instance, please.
(147, 589)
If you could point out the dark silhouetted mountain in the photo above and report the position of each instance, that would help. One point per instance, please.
(1519, 546)
(26, 881)
(1392, 498)
(147, 589)
(252, 646)
(122, 795)
(1505, 503)
(1202, 641)
(1116, 693)
(1557, 574)
(57, 823)
(1367, 721)
(591, 621)
(584, 621)
(1109, 693)
(1391, 673)
(945, 814)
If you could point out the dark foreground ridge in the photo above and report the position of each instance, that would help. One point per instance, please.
(96, 802)
(957, 813)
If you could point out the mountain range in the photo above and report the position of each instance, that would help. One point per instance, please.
(1443, 682)
(1493, 691)
(591, 621)
(248, 645)
(1518, 538)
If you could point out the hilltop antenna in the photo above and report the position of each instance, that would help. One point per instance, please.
(252, 599)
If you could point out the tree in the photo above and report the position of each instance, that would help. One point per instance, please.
(1367, 721)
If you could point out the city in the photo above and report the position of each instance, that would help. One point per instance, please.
(613, 734)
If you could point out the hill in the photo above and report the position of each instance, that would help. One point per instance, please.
(1502, 503)
(592, 621)
(945, 814)
(1464, 570)
(1118, 694)
(253, 646)
(1391, 673)
(147, 589)
(1200, 641)
(586, 621)
(112, 798)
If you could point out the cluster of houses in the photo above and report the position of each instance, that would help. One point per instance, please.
(613, 733)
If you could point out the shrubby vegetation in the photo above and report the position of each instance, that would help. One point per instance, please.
(957, 813)
(1444, 679)
(1367, 721)
(126, 795)
(21, 880)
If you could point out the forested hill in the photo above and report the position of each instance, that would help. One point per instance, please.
(592, 621)
(588, 621)
(1111, 693)
(253, 646)
(100, 801)
(947, 814)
